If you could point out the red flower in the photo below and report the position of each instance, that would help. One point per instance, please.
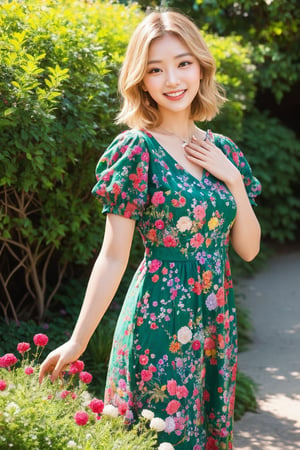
(2, 385)
(196, 345)
(146, 375)
(40, 340)
(22, 347)
(143, 360)
(122, 408)
(76, 367)
(64, 394)
(96, 405)
(8, 360)
(172, 407)
(28, 370)
(81, 418)
(85, 377)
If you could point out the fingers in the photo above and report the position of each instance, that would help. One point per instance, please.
(53, 365)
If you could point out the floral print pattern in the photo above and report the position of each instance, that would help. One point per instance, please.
(175, 344)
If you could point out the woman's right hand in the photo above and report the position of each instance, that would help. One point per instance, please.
(58, 360)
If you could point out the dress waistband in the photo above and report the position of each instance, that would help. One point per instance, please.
(172, 254)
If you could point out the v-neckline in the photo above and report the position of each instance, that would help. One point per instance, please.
(175, 162)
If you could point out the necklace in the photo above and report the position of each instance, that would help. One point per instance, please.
(184, 141)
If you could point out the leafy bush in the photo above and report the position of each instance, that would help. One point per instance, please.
(59, 65)
(274, 153)
(61, 415)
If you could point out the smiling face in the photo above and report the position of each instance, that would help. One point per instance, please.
(173, 75)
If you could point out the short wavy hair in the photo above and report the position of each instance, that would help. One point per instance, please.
(138, 109)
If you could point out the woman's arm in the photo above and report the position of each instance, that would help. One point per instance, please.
(245, 233)
(103, 283)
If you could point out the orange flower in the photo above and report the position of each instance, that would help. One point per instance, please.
(174, 347)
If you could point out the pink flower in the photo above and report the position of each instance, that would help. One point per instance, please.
(171, 387)
(85, 377)
(160, 225)
(146, 375)
(154, 265)
(122, 408)
(81, 418)
(143, 359)
(172, 407)
(158, 198)
(169, 241)
(2, 385)
(76, 367)
(22, 347)
(199, 212)
(197, 240)
(64, 394)
(40, 339)
(96, 405)
(28, 370)
(8, 360)
(182, 391)
(196, 345)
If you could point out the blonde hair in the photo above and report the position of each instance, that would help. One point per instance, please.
(139, 110)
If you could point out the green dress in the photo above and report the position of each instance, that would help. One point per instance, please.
(175, 344)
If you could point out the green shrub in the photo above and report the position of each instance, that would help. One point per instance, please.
(59, 65)
(274, 153)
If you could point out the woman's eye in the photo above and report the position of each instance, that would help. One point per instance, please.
(154, 70)
(185, 63)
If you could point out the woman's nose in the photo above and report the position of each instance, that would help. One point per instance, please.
(172, 79)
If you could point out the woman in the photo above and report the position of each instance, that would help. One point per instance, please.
(189, 192)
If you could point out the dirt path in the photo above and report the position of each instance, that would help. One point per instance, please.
(272, 298)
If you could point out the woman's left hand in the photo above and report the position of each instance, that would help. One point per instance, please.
(211, 158)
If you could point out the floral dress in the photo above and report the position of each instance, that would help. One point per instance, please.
(175, 344)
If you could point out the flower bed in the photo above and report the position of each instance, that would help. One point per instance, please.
(63, 414)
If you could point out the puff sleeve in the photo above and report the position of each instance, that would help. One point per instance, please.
(236, 156)
(122, 176)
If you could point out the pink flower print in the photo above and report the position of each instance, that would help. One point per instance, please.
(221, 343)
(181, 392)
(40, 339)
(137, 149)
(196, 345)
(158, 198)
(206, 396)
(173, 407)
(154, 265)
(85, 377)
(199, 212)
(96, 405)
(81, 418)
(155, 278)
(172, 386)
(76, 367)
(235, 157)
(160, 225)
(169, 241)
(197, 240)
(122, 384)
(209, 344)
(22, 347)
(2, 385)
(170, 424)
(220, 318)
(211, 444)
(116, 190)
(145, 157)
(220, 297)
(143, 360)
(146, 375)
(197, 288)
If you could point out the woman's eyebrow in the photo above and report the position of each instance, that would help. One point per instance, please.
(158, 61)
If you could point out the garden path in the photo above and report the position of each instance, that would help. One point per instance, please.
(272, 298)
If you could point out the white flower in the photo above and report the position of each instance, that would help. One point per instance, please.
(184, 224)
(71, 444)
(166, 446)
(170, 424)
(13, 408)
(148, 414)
(110, 410)
(157, 424)
(184, 335)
